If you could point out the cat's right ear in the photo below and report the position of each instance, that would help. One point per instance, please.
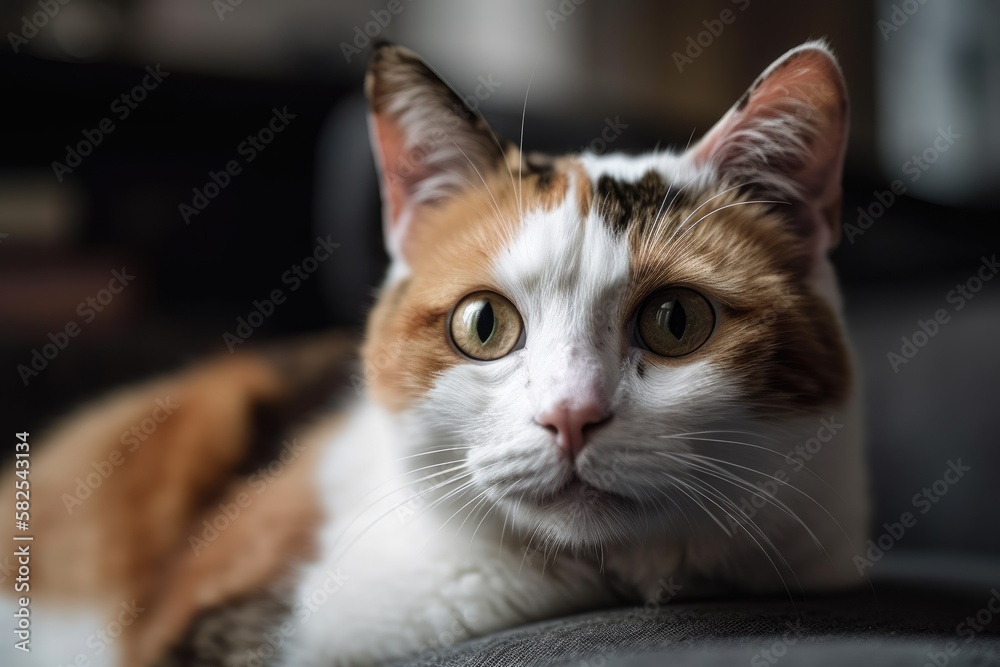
(428, 144)
(786, 139)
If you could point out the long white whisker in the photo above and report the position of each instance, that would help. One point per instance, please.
(766, 449)
(432, 451)
(750, 535)
(728, 476)
(723, 208)
(705, 486)
(701, 206)
(520, 148)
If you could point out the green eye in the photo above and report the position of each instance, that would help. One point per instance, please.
(485, 326)
(675, 321)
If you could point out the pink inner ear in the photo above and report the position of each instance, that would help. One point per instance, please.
(390, 150)
(400, 169)
(790, 130)
(812, 82)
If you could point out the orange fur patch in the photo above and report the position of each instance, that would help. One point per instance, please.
(453, 246)
(776, 336)
(123, 534)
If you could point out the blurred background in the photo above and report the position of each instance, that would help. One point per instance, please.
(199, 148)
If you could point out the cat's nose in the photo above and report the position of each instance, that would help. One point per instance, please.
(572, 421)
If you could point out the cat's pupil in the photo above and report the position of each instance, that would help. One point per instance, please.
(671, 316)
(485, 323)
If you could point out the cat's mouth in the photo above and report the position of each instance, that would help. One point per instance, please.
(579, 492)
(577, 513)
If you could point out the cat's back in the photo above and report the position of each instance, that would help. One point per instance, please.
(182, 504)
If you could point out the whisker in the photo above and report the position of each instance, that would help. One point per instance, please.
(490, 510)
(796, 517)
(723, 208)
(760, 532)
(701, 206)
(680, 486)
(520, 148)
(766, 449)
(433, 451)
(496, 205)
(460, 465)
(374, 523)
(756, 435)
(750, 535)
(739, 482)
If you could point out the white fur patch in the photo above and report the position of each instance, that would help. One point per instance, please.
(678, 170)
(395, 578)
(62, 636)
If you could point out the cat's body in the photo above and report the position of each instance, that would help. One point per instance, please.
(520, 451)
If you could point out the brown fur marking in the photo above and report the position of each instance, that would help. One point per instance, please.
(129, 538)
(777, 338)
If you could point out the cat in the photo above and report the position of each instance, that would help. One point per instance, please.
(589, 380)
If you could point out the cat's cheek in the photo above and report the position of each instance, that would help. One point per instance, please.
(404, 355)
(798, 361)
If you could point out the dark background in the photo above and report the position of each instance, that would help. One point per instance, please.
(119, 208)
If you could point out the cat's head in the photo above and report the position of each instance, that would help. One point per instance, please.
(575, 332)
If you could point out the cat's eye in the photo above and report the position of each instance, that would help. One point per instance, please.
(675, 321)
(486, 326)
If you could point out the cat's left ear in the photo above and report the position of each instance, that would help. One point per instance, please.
(786, 138)
(428, 144)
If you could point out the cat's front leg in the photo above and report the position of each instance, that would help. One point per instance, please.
(396, 593)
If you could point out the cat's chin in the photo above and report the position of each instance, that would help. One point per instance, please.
(580, 515)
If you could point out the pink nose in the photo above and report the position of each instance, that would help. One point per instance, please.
(571, 422)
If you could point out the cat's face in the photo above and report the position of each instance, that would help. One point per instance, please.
(578, 335)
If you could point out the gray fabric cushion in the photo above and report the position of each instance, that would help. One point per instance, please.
(906, 622)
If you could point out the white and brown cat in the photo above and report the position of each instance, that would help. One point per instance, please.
(587, 375)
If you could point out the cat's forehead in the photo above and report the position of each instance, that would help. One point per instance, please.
(615, 217)
(579, 244)
(599, 227)
(565, 248)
